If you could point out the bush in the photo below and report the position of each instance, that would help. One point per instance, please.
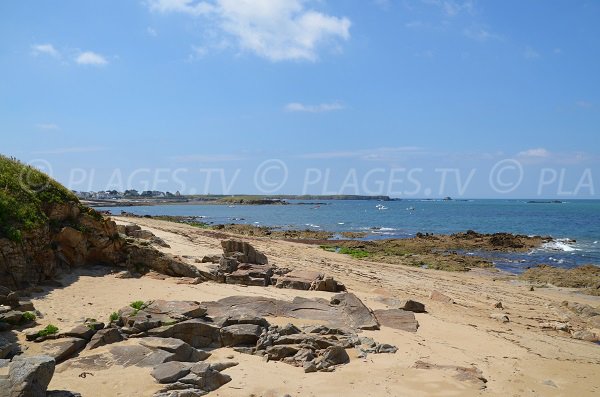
(137, 305)
(114, 316)
(28, 317)
(49, 330)
(24, 193)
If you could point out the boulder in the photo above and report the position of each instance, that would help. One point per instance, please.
(81, 331)
(30, 376)
(12, 317)
(397, 319)
(251, 274)
(240, 334)
(243, 252)
(196, 332)
(63, 348)
(7, 348)
(170, 372)
(439, 297)
(105, 337)
(298, 279)
(181, 350)
(412, 306)
(359, 316)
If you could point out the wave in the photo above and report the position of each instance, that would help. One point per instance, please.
(559, 245)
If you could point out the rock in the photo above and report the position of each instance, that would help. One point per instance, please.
(298, 279)
(25, 306)
(439, 297)
(81, 331)
(333, 355)
(470, 374)
(243, 252)
(555, 326)
(12, 317)
(160, 242)
(397, 319)
(63, 348)
(176, 309)
(502, 317)
(412, 306)
(251, 275)
(240, 334)
(181, 350)
(228, 265)
(7, 348)
(280, 352)
(241, 318)
(105, 337)
(142, 234)
(585, 335)
(498, 305)
(196, 333)
(223, 366)
(170, 372)
(327, 284)
(211, 259)
(30, 376)
(206, 378)
(188, 392)
(62, 393)
(385, 348)
(359, 315)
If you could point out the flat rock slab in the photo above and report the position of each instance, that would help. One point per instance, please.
(63, 348)
(197, 333)
(344, 310)
(397, 319)
(190, 309)
(298, 279)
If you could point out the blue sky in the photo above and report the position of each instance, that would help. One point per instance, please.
(292, 96)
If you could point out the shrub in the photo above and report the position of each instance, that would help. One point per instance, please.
(28, 316)
(49, 330)
(137, 305)
(114, 316)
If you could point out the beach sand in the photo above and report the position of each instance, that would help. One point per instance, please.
(516, 358)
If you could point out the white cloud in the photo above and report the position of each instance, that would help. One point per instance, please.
(451, 8)
(379, 154)
(45, 49)
(214, 158)
(530, 53)
(584, 104)
(48, 126)
(480, 34)
(91, 58)
(323, 107)
(535, 153)
(277, 30)
(66, 150)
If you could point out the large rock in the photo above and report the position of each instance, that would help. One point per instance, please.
(196, 332)
(180, 349)
(240, 334)
(63, 348)
(170, 372)
(243, 252)
(251, 274)
(30, 376)
(359, 316)
(7, 348)
(298, 279)
(397, 319)
(105, 337)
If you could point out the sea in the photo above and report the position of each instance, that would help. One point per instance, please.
(573, 224)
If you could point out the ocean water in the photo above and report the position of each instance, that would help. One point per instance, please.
(574, 224)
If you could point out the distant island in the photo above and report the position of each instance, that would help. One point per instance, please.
(114, 198)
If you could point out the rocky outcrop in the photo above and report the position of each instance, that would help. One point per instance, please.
(242, 264)
(73, 236)
(28, 377)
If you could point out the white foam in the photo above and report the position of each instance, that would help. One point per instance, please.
(558, 245)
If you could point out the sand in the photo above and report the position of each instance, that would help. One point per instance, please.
(517, 358)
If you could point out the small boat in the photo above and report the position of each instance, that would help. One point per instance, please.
(381, 207)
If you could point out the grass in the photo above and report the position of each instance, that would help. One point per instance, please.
(24, 194)
(354, 252)
(28, 317)
(114, 316)
(137, 305)
(49, 330)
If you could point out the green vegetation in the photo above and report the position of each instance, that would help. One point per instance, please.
(114, 316)
(24, 193)
(28, 317)
(137, 305)
(354, 252)
(49, 330)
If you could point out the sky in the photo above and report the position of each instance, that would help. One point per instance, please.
(422, 98)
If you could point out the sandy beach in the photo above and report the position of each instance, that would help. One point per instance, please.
(517, 358)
